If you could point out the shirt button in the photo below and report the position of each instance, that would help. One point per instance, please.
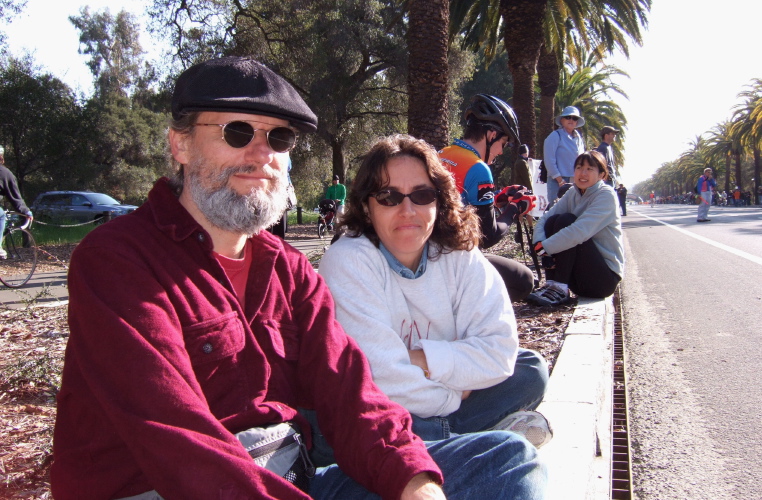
(201, 237)
(207, 348)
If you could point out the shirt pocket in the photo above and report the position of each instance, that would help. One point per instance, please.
(214, 339)
(284, 338)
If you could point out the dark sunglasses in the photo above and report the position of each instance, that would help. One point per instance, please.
(389, 198)
(575, 118)
(238, 134)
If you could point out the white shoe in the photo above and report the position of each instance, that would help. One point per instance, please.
(3, 254)
(532, 425)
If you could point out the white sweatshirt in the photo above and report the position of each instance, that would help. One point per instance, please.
(458, 312)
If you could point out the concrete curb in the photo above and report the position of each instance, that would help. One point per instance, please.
(578, 406)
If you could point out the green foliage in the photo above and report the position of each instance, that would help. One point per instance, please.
(41, 118)
(54, 235)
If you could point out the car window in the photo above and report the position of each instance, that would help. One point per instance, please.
(78, 200)
(102, 199)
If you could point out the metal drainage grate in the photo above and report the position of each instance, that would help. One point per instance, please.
(621, 479)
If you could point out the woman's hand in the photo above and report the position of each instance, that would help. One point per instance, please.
(418, 358)
(421, 487)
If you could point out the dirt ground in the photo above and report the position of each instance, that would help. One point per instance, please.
(32, 344)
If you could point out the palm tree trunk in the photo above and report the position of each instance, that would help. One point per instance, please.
(757, 168)
(727, 172)
(548, 79)
(523, 40)
(427, 71)
(739, 173)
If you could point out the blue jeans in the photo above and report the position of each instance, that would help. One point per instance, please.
(553, 190)
(480, 411)
(484, 408)
(494, 464)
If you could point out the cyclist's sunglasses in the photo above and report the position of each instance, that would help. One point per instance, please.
(238, 134)
(390, 198)
(573, 118)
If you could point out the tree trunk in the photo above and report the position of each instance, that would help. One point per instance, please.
(548, 79)
(739, 173)
(727, 172)
(757, 168)
(428, 71)
(523, 39)
(337, 148)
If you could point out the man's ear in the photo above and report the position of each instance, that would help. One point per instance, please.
(179, 145)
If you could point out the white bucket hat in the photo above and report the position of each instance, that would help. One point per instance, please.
(571, 111)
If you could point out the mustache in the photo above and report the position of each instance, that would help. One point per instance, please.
(229, 172)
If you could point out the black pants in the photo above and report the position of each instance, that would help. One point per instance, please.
(518, 278)
(623, 204)
(582, 267)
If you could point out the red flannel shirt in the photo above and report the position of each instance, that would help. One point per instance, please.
(163, 366)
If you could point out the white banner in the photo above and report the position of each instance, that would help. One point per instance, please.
(540, 189)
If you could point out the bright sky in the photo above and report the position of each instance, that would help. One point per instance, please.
(684, 80)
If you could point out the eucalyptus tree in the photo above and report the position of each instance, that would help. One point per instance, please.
(348, 58)
(113, 44)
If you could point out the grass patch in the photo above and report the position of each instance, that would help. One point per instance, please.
(308, 217)
(56, 235)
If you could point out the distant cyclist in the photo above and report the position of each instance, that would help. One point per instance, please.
(10, 189)
(490, 126)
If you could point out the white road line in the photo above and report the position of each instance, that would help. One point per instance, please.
(734, 251)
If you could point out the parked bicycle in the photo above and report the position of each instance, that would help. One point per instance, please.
(21, 251)
(327, 209)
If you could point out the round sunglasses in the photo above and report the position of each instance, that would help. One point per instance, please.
(391, 198)
(573, 118)
(238, 134)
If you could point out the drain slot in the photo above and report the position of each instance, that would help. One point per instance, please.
(621, 477)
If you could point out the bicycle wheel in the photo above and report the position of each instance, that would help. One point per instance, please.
(321, 229)
(18, 266)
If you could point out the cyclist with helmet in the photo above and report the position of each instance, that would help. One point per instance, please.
(490, 125)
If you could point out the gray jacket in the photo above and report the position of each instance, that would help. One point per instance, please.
(597, 218)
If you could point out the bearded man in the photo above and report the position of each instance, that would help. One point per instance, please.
(196, 334)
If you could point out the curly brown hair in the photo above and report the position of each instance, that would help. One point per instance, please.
(456, 227)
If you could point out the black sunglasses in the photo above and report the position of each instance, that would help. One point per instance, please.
(575, 118)
(390, 198)
(238, 134)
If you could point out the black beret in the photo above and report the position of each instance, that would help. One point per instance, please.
(240, 85)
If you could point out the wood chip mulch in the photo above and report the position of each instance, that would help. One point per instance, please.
(32, 343)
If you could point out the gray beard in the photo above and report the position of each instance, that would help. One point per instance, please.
(225, 209)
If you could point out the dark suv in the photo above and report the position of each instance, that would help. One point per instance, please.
(77, 206)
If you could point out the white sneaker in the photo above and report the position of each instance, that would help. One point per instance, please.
(3, 254)
(532, 425)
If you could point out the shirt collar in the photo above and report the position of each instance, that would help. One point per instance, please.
(463, 144)
(403, 271)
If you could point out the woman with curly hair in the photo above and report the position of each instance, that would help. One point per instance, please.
(430, 312)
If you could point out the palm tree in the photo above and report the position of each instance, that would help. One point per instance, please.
(528, 25)
(428, 41)
(747, 125)
(719, 148)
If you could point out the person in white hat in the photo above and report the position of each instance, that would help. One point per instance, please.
(561, 149)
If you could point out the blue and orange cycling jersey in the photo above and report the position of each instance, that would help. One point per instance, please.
(473, 177)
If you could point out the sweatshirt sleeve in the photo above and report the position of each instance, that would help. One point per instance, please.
(484, 353)
(356, 273)
(549, 154)
(599, 213)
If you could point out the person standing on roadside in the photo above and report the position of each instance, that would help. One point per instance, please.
(621, 193)
(561, 149)
(520, 174)
(338, 193)
(705, 187)
(10, 189)
(608, 134)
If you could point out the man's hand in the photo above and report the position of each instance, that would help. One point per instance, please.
(560, 181)
(421, 487)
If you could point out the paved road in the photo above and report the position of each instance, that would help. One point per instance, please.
(692, 301)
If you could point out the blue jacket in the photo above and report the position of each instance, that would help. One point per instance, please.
(711, 184)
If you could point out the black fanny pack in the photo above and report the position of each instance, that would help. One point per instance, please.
(280, 449)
